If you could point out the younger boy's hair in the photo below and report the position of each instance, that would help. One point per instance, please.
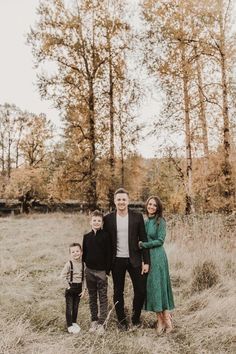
(75, 244)
(97, 213)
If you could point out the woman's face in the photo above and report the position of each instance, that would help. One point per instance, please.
(151, 207)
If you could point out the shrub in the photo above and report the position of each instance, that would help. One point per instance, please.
(205, 276)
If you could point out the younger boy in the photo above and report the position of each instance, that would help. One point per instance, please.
(72, 274)
(96, 256)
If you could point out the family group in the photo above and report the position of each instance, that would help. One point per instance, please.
(119, 242)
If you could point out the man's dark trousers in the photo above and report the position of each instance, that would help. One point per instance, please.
(119, 268)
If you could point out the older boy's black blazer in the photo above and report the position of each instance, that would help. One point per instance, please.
(136, 233)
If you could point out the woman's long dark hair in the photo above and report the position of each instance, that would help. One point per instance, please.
(159, 212)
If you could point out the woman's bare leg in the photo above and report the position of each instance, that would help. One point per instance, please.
(167, 321)
(160, 323)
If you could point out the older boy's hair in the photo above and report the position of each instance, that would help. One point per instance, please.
(75, 244)
(121, 190)
(97, 213)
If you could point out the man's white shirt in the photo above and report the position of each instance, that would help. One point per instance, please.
(122, 236)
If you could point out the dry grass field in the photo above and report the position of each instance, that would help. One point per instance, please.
(34, 249)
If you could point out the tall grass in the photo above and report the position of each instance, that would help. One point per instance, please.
(34, 249)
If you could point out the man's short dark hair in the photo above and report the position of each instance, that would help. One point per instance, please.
(121, 190)
(97, 213)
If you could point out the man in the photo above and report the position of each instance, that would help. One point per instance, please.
(126, 228)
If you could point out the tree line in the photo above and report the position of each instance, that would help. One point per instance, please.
(96, 49)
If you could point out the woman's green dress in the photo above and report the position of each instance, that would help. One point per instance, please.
(159, 293)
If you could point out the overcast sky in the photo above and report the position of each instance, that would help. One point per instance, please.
(17, 75)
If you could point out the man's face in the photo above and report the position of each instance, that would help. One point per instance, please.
(121, 201)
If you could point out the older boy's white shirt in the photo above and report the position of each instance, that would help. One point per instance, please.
(122, 223)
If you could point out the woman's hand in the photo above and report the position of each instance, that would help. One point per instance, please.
(140, 245)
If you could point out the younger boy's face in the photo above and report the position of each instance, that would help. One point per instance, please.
(75, 252)
(96, 222)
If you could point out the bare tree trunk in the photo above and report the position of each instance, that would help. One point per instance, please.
(17, 156)
(202, 115)
(189, 205)
(17, 147)
(3, 155)
(9, 157)
(122, 164)
(92, 190)
(111, 113)
(227, 169)
(122, 151)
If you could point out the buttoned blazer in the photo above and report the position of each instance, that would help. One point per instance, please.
(136, 233)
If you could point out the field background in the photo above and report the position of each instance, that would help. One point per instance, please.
(34, 249)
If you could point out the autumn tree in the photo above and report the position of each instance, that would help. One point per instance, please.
(25, 143)
(168, 27)
(221, 47)
(12, 124)
(118, 39)
(86, 42)
(71, 39)
(185, 45)
(35, 138)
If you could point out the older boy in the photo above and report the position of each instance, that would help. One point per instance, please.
(96, 256)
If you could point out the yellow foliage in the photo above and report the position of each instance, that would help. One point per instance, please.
(26, 179)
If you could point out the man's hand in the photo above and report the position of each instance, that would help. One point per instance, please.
(145, 268)
(84, 292)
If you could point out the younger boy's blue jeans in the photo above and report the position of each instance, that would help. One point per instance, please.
(72, 296)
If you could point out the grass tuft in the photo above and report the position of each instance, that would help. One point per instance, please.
(205, 276)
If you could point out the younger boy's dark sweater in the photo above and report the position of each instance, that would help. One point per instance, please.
(97, 250)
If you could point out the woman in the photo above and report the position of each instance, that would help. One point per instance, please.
(159, 293)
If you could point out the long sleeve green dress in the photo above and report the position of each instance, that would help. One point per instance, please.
(159, 293)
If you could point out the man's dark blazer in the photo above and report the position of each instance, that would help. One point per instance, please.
(136, 233)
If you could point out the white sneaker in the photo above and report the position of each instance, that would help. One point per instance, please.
(100, 330)
(93, 326)
(73, 329)
(70, 329)
(77, 328)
